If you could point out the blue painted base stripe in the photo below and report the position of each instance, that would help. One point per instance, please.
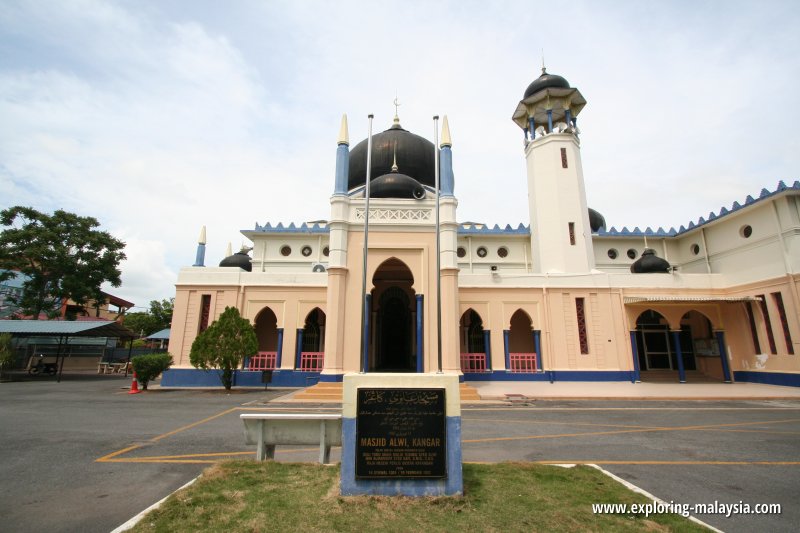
(552, 375)
(191, 377)
(768, 378)
(452, 485)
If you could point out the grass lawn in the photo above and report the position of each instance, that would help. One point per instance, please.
(256, 497)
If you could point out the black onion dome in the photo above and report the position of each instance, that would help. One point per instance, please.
(414, 155)
(596, 220)
(396, 185)
(650, 263)
(239, 259)
(546, 81)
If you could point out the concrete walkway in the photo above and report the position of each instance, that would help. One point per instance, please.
(498, 390)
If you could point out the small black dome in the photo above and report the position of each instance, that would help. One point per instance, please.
(239, 259)
(396, 185)
(414, 155)
(596, 220)
(650, 263)
(546, 81)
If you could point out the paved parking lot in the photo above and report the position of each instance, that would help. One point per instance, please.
(83, 455)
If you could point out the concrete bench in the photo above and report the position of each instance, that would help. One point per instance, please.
(266, 430)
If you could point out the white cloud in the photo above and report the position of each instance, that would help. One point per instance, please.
(159, 118)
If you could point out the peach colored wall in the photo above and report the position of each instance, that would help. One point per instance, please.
(415, 250)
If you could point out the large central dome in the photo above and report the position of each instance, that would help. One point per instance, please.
(414, 157)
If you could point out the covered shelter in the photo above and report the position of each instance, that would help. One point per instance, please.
(63, 331)
(162, 337)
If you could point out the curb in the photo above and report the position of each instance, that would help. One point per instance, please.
(130, 524)
(646, 494)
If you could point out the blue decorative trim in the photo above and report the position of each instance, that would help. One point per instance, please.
(342, 168)
(298, 349)
(200, 258)
(452, 485)
(482, 229)
(420, 333)
(551, 375)
(192, 377)
(636, 374)
(506, 335)
(723, 211)
(280, 348)
(365, 334)
(331, 378)
(447, 180)
(676, 341)
(487, 348)
(723, 356)
(291, 228)
(768, 378)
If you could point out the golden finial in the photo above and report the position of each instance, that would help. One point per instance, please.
(396, 105)
(394, 164)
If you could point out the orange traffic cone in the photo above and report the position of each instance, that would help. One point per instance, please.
(134, 386)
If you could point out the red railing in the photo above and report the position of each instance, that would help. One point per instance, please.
(311, 361)
(522, 362)
(262, 361)
(473, 362)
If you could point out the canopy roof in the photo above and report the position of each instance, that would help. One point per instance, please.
(66, 328)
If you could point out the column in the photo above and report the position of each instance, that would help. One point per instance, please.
(549, 121)
(365, 334)
(487, 348)
(420, 335)
(636, 376)
(299, 349)
(537, 347)
(723, 354)
(506, 334)
(531, 126)
(676, 341)
(279, 349)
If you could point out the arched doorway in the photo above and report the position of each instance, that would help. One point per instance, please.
(473, 342)
(700, 348)
(312, 353)
(266, 326)
(393, 301)
(521, 347)
(654, 342)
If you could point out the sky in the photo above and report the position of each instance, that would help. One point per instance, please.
(159, 117)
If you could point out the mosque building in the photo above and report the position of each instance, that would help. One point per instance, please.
(563, 298)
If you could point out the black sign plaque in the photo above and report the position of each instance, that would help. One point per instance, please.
(401, 433)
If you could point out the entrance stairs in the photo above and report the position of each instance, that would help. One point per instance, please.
(332, 392)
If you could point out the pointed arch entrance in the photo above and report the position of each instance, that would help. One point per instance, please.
(393, 311)
(270, 339)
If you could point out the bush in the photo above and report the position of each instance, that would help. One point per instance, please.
(149, 366)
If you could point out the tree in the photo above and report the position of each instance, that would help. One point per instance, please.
(62, 256)
(157, 318)
(141, 323)
(224, 345)
(161, 311)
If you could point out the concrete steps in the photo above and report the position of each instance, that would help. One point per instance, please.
(332, 392)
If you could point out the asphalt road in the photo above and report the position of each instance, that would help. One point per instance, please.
(83, 455)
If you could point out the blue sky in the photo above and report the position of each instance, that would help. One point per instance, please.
(159, 117)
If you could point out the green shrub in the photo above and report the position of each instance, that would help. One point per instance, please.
(149, 366)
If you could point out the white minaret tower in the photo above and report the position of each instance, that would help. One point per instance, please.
(561, 237)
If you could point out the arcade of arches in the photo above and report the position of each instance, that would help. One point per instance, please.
(658, 347)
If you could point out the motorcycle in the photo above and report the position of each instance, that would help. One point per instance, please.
(38, 366)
